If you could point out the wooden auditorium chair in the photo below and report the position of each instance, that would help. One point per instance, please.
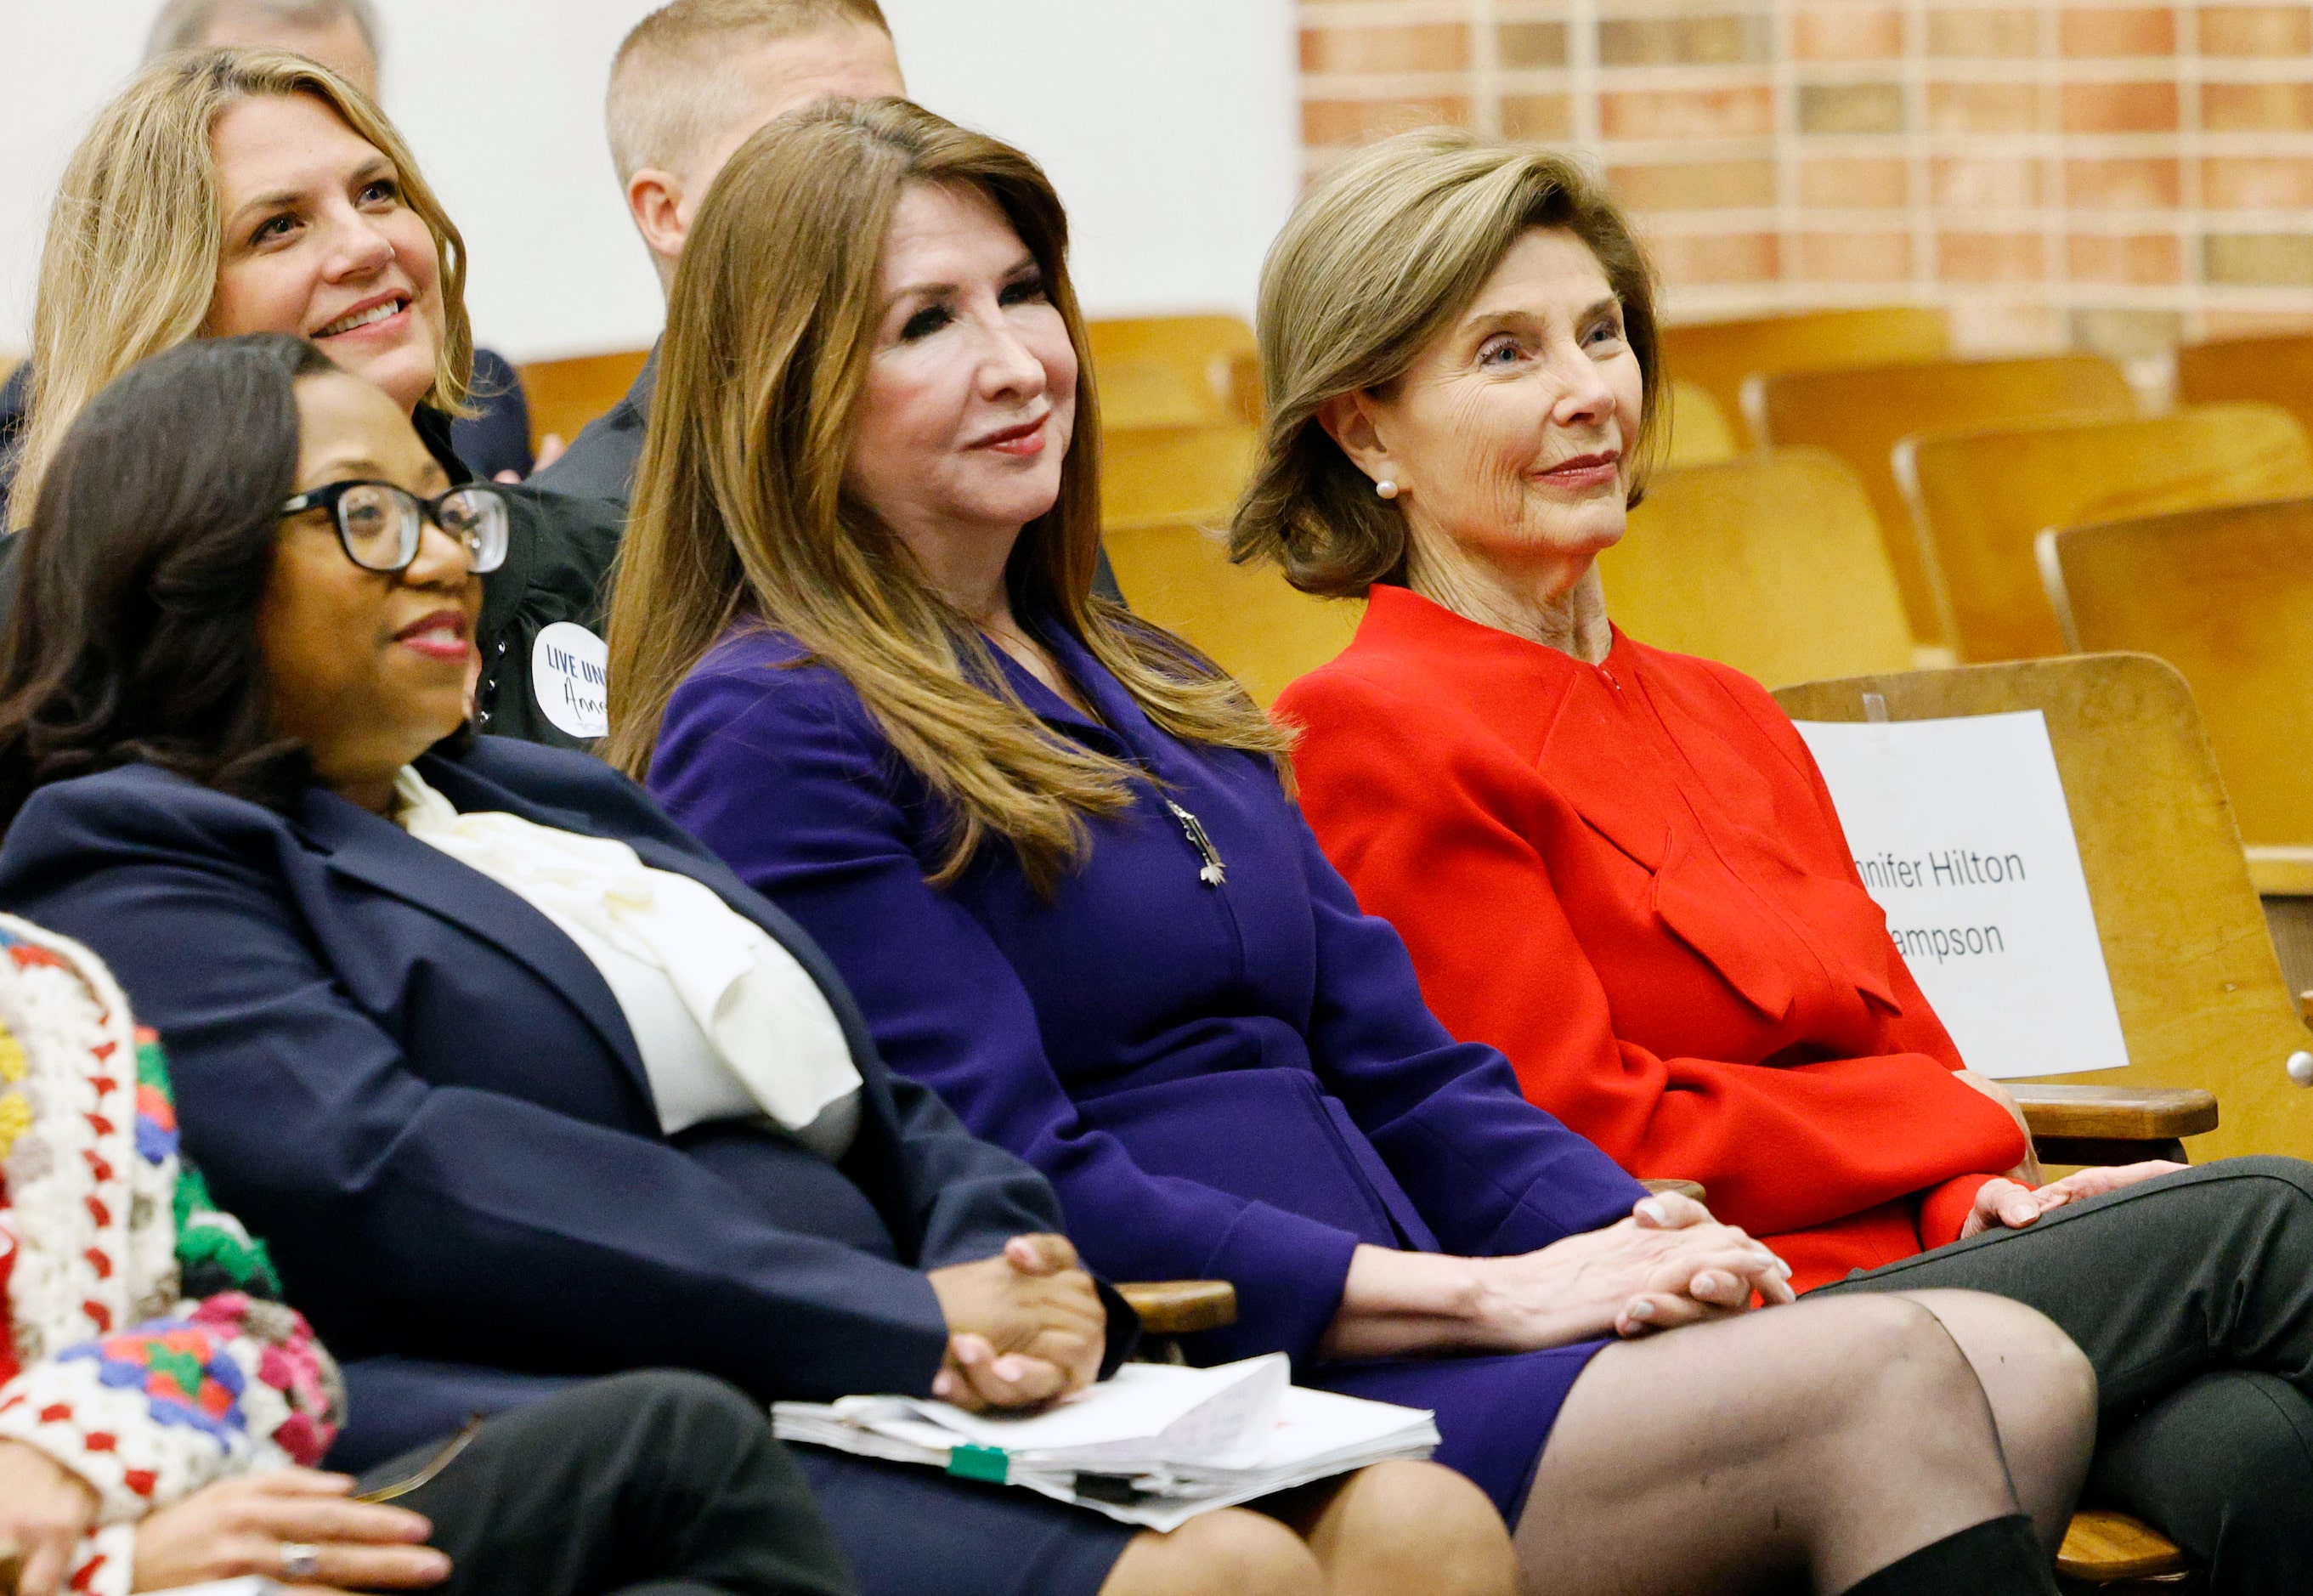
(1162, 473)
(1256, 625)
(1770, 563)
(2226, 596)
(1982, 498)
(2274, 370)
(1215, 366)
(1700, 433)
(566, 394)
(1717, 356)
(1859, 414)
(2199, 995)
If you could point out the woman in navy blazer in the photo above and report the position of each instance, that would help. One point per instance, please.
(1049, 848)
(423, 1089)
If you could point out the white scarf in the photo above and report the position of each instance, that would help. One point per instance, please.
(756, 1005)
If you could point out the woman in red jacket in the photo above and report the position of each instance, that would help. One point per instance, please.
(1619, 866)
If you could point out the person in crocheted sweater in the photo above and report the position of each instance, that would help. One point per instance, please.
(147, 1352)
(162, 1411)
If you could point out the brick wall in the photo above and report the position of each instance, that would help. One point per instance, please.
(2114, 176)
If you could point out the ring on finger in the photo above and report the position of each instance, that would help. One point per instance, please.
(300, 1560)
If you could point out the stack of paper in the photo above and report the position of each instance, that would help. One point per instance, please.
(1157, 1445)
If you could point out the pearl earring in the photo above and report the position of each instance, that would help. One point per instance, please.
(1386, 488)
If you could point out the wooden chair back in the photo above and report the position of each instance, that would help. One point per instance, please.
(1700, 433)
(1259, 628)
(1719, 355)
(1770, 563)
(1981, 499)
(2226, 596)
(2201, 997)
(1168, 473)
(566, 394)
(1859, 414)
(2272, 370)
(1215, 362)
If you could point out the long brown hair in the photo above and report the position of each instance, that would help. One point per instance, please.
(130, 264)
(740, 507)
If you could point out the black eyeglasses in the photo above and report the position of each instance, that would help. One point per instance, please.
(381, 525)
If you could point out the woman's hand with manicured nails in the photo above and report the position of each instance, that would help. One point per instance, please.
(1025, 1327)
(1669, 1264)
(1711, 1284)
(45, 1509)
(238, 1528)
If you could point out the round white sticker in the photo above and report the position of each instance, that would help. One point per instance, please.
(569, 671)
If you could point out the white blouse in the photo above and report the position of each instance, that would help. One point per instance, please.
(730, 1026)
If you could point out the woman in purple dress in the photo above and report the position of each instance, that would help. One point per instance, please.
(854, 651)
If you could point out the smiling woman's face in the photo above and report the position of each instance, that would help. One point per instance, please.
(972, 388)
(319, 242)
(368, 669)
(1510, 437)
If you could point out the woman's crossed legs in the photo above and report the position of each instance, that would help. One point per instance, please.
(1809, 1440)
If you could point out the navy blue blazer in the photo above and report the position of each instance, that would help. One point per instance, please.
(427, 1099)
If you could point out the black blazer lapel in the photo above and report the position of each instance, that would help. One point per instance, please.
(375, 851)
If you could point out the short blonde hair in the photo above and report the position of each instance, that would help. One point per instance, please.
(675, 84)
(135, 238)
(740, 508)
(1374, 263)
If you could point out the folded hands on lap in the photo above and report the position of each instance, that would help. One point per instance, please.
(1025, 1328)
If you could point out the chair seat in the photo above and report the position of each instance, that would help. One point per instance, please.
(2105, 1547)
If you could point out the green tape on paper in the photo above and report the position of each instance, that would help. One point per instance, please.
(978, 1462)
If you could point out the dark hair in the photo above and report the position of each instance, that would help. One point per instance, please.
(133, 635)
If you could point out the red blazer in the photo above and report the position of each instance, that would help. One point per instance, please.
(1629, 878)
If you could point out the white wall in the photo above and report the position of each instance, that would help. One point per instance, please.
(1169, 128)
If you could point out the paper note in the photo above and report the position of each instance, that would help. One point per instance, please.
(1960, 831)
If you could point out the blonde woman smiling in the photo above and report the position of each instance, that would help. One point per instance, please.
(252, 190)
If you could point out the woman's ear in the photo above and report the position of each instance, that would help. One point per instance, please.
(1351, 420)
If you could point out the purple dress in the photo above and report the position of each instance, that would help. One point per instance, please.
(1225, 1069)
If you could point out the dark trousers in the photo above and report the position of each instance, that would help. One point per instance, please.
(2193, 1295)
(657, 1484)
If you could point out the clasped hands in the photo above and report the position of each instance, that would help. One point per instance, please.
(1669, 1264)
(1025, 1327)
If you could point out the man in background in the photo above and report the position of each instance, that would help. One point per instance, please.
(340, 34)
(693, 82)
(690, 85)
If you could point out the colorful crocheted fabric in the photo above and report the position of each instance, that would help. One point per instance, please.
(143, 1349)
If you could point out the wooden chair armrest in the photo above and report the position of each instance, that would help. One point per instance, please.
(2280, 872)
(2117, 1112)
(1181, 1307)
(2103, 1548)
(1684, 1189)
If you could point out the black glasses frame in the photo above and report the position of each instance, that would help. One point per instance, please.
(480, 560)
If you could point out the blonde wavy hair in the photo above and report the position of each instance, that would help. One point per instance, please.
(740, 510)
(1376, 262)
(135, 238)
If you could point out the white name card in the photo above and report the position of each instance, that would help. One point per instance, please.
(1961, 833)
